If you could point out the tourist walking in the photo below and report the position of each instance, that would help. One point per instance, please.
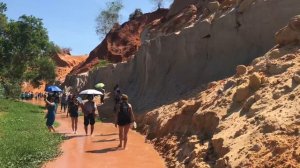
(50, 115)
(89, 110)
(73, 110)
(116, 87)
(102, 96)
(63, 102)
(124, 118)
(56, 100)
(118, 96)
(69, 100)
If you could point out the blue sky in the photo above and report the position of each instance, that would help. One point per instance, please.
(71, 23)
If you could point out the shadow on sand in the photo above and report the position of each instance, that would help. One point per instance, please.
(106, 140)
(105, 150)
(107, 134)
(68, 137)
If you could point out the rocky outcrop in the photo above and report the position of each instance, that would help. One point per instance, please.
(57, 58)
(178, 5)
(173, 23)
(241, 70)
(121, 43)
(65, 63)
(290, 33)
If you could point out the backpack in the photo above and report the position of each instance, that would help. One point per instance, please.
(124, 107)
(124, 110)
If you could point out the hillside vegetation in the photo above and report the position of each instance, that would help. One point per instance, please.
(25, 53)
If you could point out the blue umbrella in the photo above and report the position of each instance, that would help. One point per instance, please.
(53, 88)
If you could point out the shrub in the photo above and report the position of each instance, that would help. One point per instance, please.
(137, 13)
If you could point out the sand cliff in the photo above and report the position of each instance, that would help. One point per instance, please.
(172, 64)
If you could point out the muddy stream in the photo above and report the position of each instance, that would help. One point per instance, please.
(100, 150)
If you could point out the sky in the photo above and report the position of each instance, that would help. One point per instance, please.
(71, 23)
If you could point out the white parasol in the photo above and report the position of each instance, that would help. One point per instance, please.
(91, 92)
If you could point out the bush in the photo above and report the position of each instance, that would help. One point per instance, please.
(1, 92)
(66, 51)
(42, 68)
(101, 64)
(11, 89)
(137, 13)
(108, 17)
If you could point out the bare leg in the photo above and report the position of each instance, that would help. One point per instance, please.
(52, 128)
(126, 129)
(76, 121)
(92, 129)
(49, 128)
(85, 129)
(73, 123)
(120, 135)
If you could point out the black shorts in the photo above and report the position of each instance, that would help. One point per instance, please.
(89, 119)
(74, 114)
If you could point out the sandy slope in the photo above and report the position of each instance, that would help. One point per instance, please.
(251, 119)
(71, 61)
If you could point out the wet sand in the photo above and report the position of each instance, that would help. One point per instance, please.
(100, 150)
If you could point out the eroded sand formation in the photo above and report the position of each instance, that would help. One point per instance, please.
(169, 64)
(121, 43)
(251, 119)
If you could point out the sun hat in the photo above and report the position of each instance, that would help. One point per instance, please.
(124, 97)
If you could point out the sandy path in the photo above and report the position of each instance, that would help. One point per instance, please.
(100, 150)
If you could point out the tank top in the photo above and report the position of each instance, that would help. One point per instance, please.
(124, 113)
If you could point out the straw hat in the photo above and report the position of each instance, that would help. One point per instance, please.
(124, 97)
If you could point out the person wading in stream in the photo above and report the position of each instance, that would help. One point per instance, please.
(124, 118)
(73, 110)
(89, 109)
(50, 116)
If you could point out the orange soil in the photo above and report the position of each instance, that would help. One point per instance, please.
(65, 64)
(100, 149)
(121, 43)
(72, 61)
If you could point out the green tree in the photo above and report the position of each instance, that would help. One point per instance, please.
(42, 68)
(3, 23)
(108, 17)
(25, 52)
(3, 18)
(137, 13)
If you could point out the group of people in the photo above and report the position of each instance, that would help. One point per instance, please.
(124, 113)
(68, 103)
(30, 95)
